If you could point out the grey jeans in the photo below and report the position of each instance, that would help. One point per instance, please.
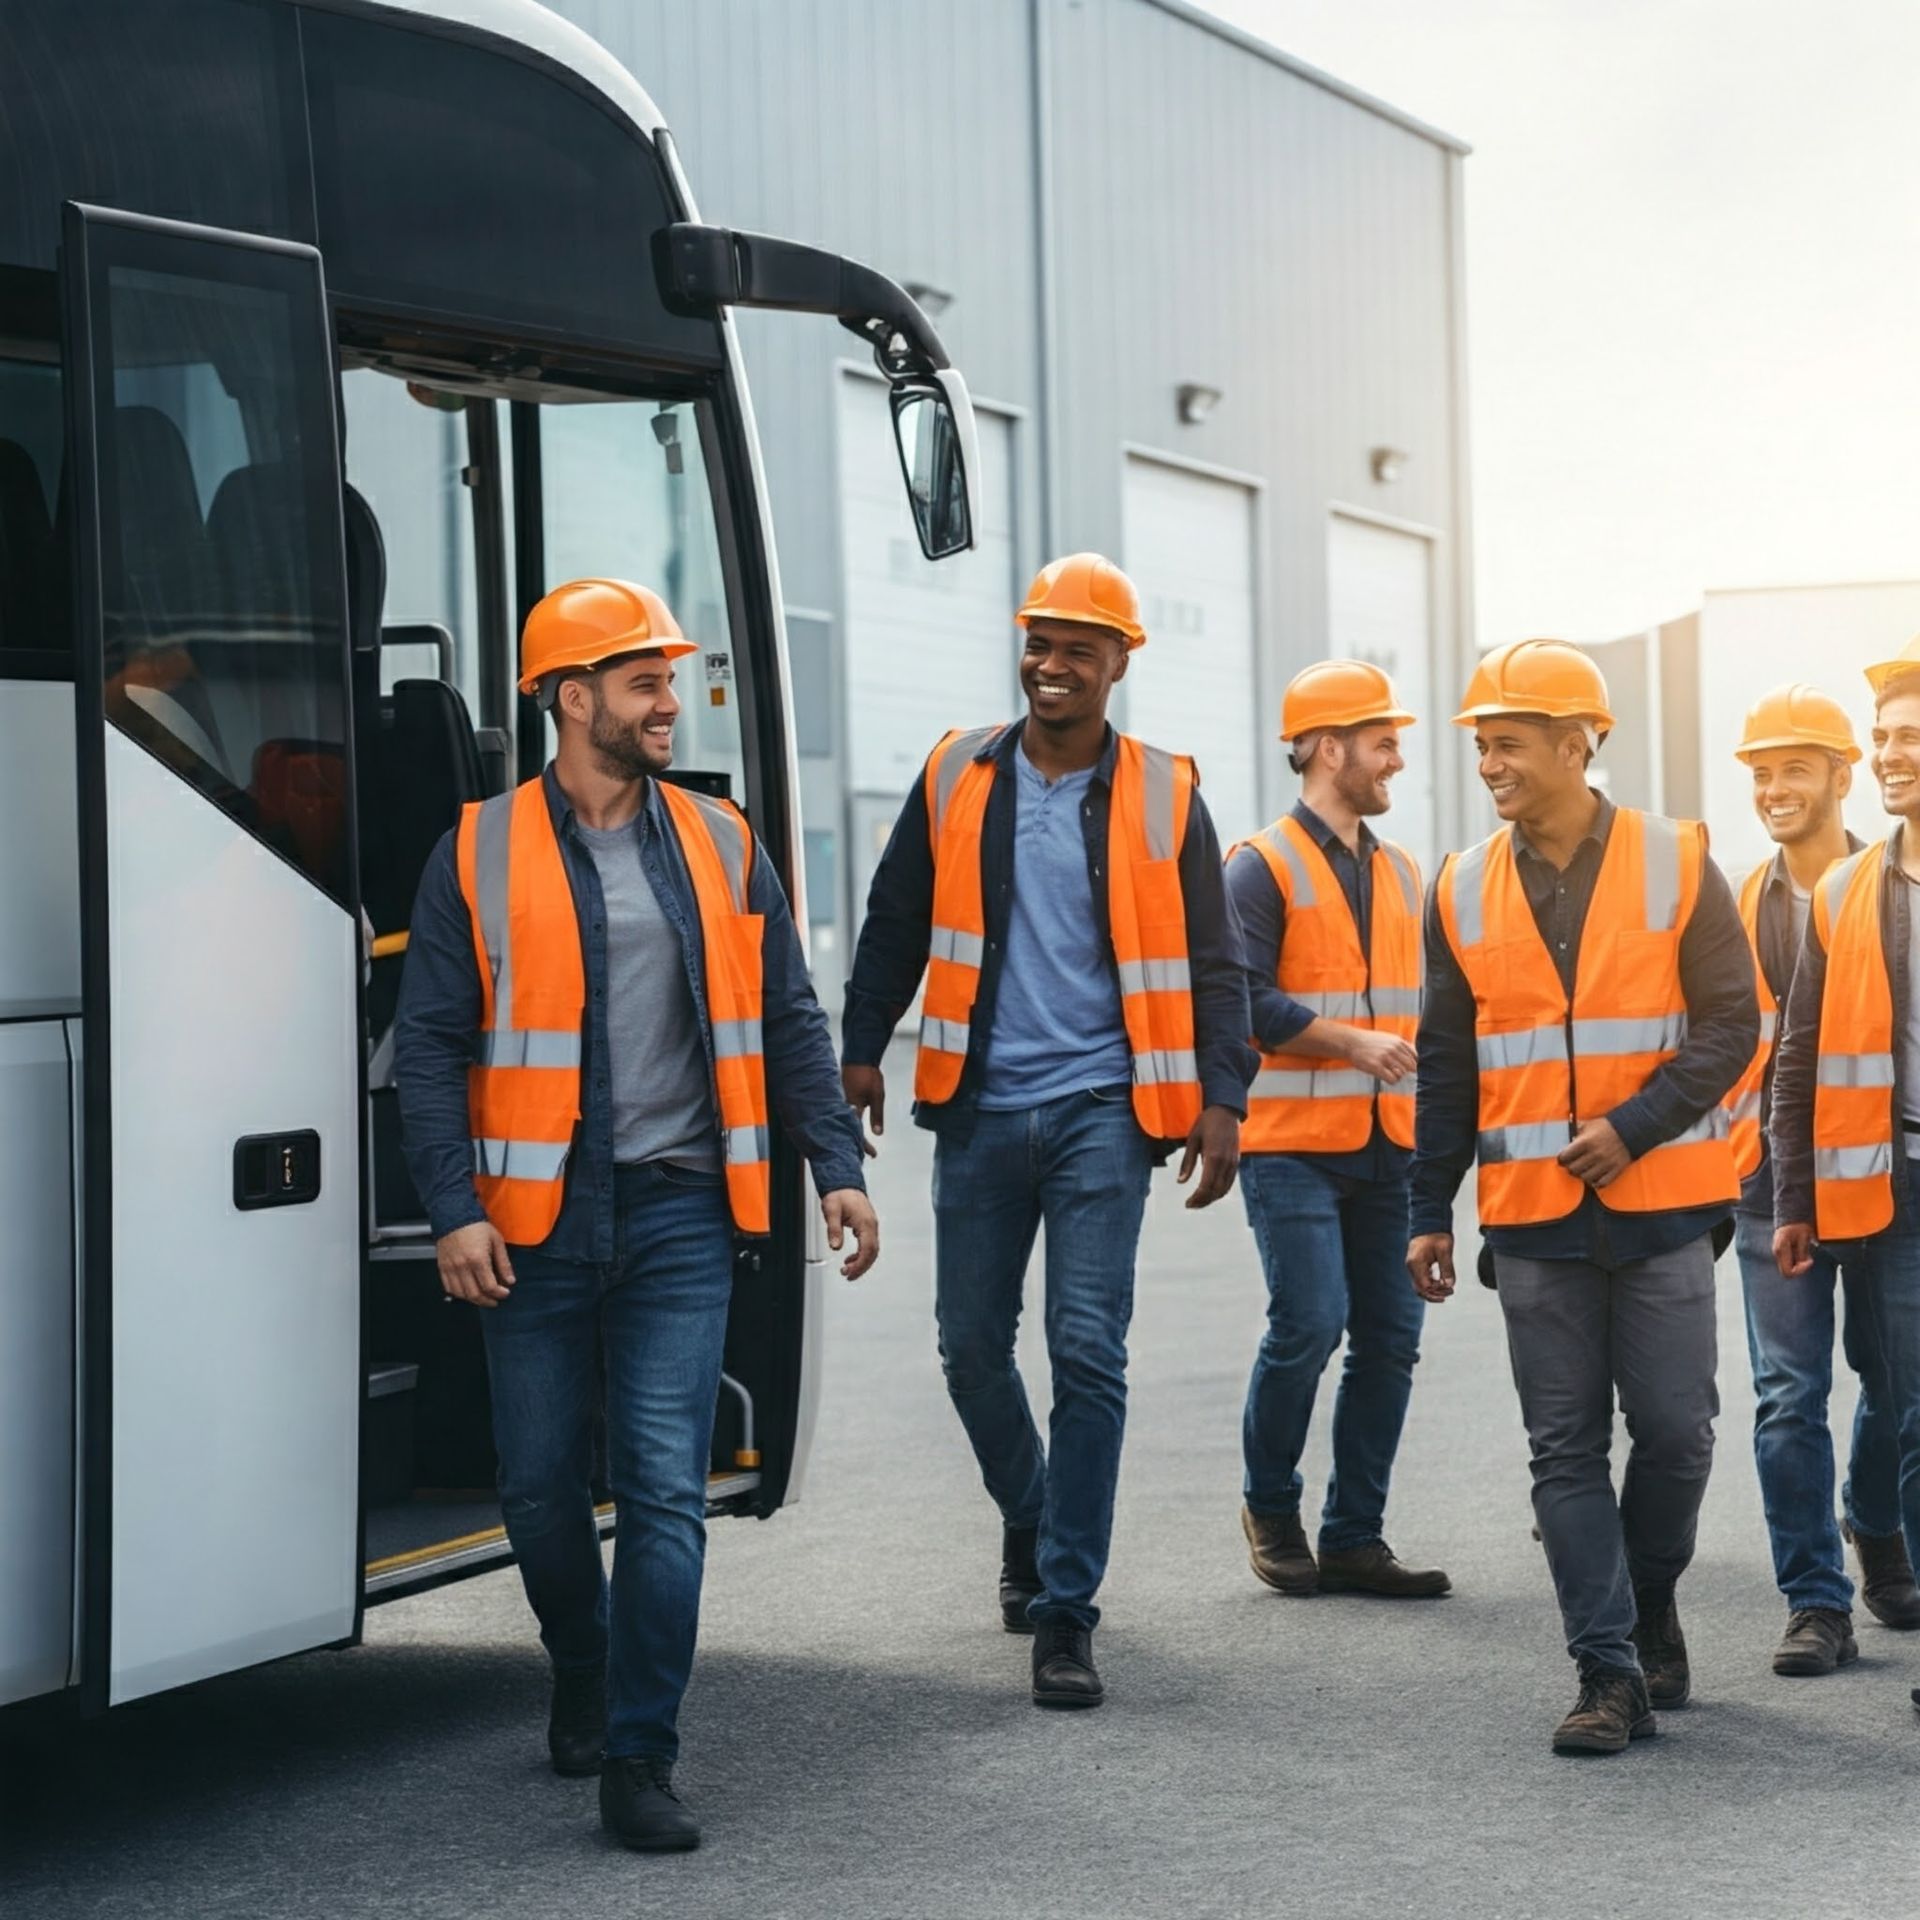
(1575, 1333)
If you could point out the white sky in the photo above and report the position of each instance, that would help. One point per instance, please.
(1693, 269)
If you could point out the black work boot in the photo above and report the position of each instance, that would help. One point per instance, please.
(1887, 1588)
(1817, 1640)
(1019, 1576)
(1063, 1672)
(639, 1807)
(1373, 1569)
(577, 1720)
(1612, 1709)
(1278, 1551)
(1662, 1648)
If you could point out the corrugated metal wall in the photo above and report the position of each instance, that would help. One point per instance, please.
(1185, 209)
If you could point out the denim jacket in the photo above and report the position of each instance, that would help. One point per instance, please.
(892, 954)
(439, 1017)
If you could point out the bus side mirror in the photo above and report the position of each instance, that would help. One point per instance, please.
(940, 460)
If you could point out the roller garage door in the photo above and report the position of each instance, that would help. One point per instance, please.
(1193, 687)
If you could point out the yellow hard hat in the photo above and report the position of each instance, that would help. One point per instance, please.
(1339, 693)
(1537, 676)
(1907, 660)
(586, 622)
(1089, 588)
(1796, 715)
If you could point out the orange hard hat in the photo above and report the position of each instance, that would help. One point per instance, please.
(1796, 715)
(1537, 676)
(1907, 660)
(1339, 693)
(587, 622)
(1089, 588)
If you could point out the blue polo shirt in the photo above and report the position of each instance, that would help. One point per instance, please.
(1057, 1022)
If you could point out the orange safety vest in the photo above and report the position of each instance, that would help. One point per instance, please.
(1744, 1117)
(523, 1090)
(1152, 794)
(1299, 1102)
(1547, 1066)
(1853, 1119)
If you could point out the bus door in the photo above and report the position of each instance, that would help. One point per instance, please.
(221, 955)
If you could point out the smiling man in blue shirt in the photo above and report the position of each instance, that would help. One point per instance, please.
(1060, 887)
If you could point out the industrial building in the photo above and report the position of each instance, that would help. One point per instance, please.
(1681, 689)
(1209, 302)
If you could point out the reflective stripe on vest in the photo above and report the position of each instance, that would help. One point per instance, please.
(1547, 1066)
(524, 1084)
(1853, 1119)
(1306, 1103)
(1743, 1098)
(1151, 796)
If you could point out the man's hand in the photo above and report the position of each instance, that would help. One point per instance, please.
(1793, 1249)
(473, 1264)
(1596, 1154)
(1215, 1144)
(1430, 1262)
(866, 1091)
(1384, 1055)
(848, 1211)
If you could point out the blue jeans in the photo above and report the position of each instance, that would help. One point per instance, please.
(1335, 1253)
(658, 1310)
(1790, 1339)
(1889, 1264)
(1082, 1165)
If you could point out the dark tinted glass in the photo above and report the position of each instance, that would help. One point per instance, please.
(458, 180)
(221, 591)
(34, 635)
(169, 107)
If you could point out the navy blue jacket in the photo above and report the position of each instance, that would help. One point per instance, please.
(1277, 1016)
(1723, 1028)
(892, 954)
(439, 1013)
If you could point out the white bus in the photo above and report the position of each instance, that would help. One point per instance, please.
(331, 335)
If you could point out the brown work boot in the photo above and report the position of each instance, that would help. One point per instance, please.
(1817, 1640)
(1277, 1548)
(1373, 1569)
(1887, 1587)
(1612, 1709)
(1662, 1648)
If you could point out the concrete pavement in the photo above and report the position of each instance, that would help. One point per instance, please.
(858, 1737)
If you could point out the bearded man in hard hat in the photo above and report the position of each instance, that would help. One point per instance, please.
(1589, 1002)
(1846, 1086)
(1799, 746)
(604, 998)
(1059, 886)
(1330, 921)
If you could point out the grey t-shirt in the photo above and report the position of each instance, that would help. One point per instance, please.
(662, 1097)
(1799, 905)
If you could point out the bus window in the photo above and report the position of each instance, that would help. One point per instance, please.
(624, 493)
(406, 453)
(223, 641)
(34, 637)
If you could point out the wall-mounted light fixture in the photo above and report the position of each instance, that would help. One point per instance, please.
(1194, 401)
(931, 300)
(1388, 464)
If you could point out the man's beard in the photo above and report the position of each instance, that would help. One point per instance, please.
(621, 750)
(1358, 788)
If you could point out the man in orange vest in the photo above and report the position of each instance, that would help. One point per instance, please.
(1846, 1086)
(1799, 745)
(604, 997)
(1330, 919)
(1059, 886)
(1589, 1001)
